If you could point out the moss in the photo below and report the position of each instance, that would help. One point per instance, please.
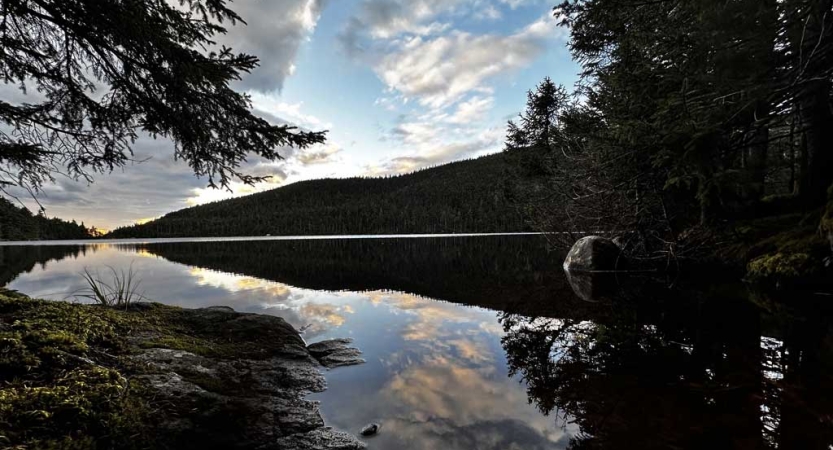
(184, 343)
(86, 404)
(56, 393)
(776, 249)
(212, 384)
(793, 255)
(68, 378)
(782, 266)
(53, 395)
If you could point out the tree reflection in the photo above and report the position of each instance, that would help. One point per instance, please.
(15, 260)
(703, 371)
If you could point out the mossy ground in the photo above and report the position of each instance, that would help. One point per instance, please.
(52, 394)
(67, 379)
(787, 249)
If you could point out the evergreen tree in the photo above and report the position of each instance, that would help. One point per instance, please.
(19, 224)
(103, 70)
(693, 113)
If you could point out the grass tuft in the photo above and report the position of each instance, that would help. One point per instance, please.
(122, 289)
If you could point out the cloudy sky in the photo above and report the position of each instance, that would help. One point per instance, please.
(400, 84)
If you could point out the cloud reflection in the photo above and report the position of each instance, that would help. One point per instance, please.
(430, 315)
(436, 375)
(300, 307)
(447, 387)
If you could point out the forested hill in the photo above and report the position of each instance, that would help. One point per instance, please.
(19, 224)
(465, 196)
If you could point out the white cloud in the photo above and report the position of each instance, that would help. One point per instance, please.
(293, 113)
(416, 133)
(440, 71)
(472, 110)
(515, 4)
(159, 184)
(387, 19)
(320, 154)
(448, 73)
(430, 146)
(489, 13)
(275, 32)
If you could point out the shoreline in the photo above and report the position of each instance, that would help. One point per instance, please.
(137, 241)
(156, 376)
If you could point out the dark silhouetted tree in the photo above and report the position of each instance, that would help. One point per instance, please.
(99, 72)
(692, 115)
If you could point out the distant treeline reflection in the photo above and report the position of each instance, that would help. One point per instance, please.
(15, 260)
(700, 365)
(492, 272)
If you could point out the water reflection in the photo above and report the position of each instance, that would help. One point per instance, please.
(708, 370)
(484, 343)
(436, 374)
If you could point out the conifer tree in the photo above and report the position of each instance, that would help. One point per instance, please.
(99, 72)
(693, 114)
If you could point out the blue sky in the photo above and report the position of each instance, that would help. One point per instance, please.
(399, 84)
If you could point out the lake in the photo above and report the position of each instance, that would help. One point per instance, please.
(483, 342)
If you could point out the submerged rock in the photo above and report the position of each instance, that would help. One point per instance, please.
(594, 253)
(328, 346)
(335, 353)
(370, 430)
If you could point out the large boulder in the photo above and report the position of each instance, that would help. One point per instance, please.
(594, 253)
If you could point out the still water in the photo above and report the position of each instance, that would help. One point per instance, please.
(482, 342)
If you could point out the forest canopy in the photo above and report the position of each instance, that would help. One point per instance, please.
(461, 197)
(688, 115)
(19, 224)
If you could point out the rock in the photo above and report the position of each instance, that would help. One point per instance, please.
(319, 439)
(251, 396)
(227, 309)
(594, 253)
(190, 379)
(345, 357)
(335, 353)
(371, 429)
(328, 346)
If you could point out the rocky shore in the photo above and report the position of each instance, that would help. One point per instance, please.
(155, 376)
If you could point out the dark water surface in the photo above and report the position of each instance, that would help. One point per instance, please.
(482, 342)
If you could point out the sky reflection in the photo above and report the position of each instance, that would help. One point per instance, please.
(436, 375)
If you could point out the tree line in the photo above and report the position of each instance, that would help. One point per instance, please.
(460, 197)
(19, 224)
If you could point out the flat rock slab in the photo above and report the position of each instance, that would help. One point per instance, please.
(319, 439)
(251, 400)
(335, 353)
(329, 345)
